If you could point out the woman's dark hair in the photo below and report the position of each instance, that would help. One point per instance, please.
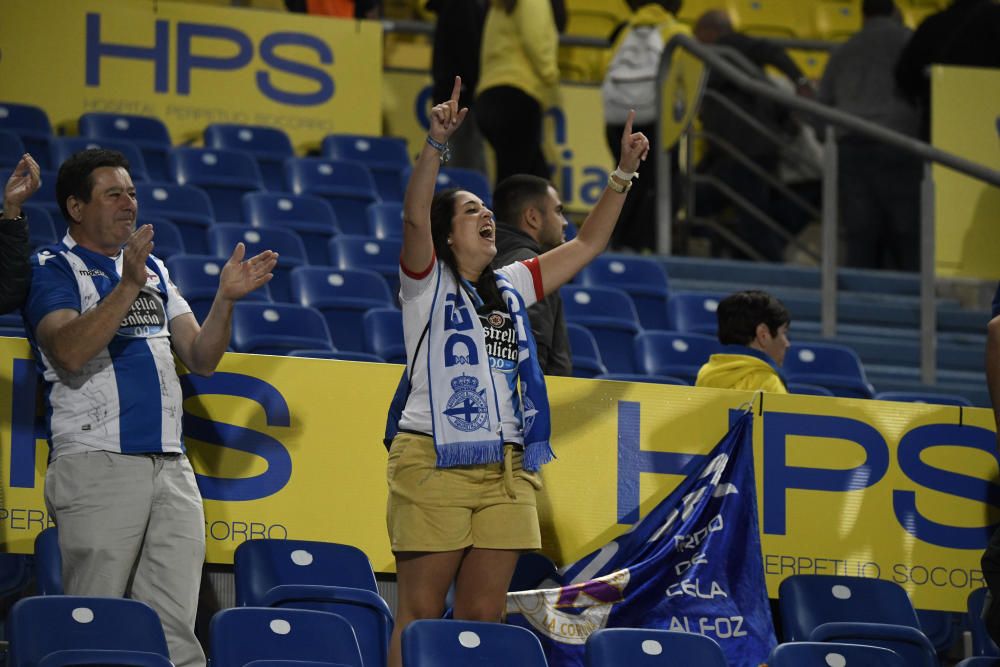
(442, 214)
(76, 174)
(740, 313)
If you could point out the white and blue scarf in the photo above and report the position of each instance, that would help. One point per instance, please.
(465, 412)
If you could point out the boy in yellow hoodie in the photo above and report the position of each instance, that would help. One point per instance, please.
(753, 325)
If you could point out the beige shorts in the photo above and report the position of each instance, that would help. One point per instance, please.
(489, 506)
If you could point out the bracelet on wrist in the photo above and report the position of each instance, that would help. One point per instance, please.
(442, 148)
(620, 188)
(626, 177)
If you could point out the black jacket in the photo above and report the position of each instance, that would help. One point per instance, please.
(548, 323)
(15, 264)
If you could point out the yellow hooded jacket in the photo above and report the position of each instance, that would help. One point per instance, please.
(521, 49)
(748, 371)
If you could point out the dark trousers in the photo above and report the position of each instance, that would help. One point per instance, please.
(879, 202)
(511, 121)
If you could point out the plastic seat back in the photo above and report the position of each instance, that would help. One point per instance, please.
(197, 278)
(312, 218)
(644, 647)
(383, 329)
(836, 367)
(794, 654)
(586, 355)
(42, 229)
(277, 328)
(224, 175)
(446, 643)
(694, 312)
(32, 126)
(222, 239)
(48, 562)
(982, 643)
(385, 157)
(11, 149)
(186, 206)
(343, 296)
(671, 353)
(269, 146)
(350, 251)
(348, 186)
(62, 148)
(643, 278)
(148, 133)
(385, 220)
(610, 315)
(247, 634)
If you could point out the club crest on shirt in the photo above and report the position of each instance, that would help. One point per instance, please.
(466, 409)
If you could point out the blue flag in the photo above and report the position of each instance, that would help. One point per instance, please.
(693, 564)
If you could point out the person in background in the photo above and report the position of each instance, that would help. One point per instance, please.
(519, 75)
(630, 83)
(530, 221)
(468, 428)
(15, 263)
(104, 322)
(879, 197)
(457, 42)
(753, 325)
(356, 9)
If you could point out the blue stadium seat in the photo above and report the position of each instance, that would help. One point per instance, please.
(642, 277)
(197, 278)
(637, 647)
(48, 562)
(829, 365)
(343, 296)
(244, 635)
(45, 196)
(342, 355)
(31, 124)
(270, 147)
(924, 397)
(348, 186)
(853, 610)
(671, 353)
(385, 220)
(148, 133)
(277, 328)
(42, 228)
(640, 377)
(466, 179)
(385, 157)
(982, 643)
(62, 148)
(312, 218)
(222, 238)
(808, 389)
(796, 654)
(64, 630)
(941, 627)
(694, 312)
(446, 643)
(11, 149)
(224, 175)
(16, 573)
(584, 351)
(167, 239)
(383, 331)
(609, 314)
(186, 206)
(349, 251)
(979, 661)
(532, 569)
(321, 576)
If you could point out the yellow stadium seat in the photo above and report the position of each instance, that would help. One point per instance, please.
(691, 10)
(592, 24)
(836, 20)
(779, 18)
(914, 15)
(810, 62)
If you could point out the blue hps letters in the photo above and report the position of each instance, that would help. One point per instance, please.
(187, 60)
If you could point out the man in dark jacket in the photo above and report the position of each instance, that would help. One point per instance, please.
(530, 221)
(15, 269)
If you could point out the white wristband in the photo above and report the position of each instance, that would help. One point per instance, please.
(618, 173)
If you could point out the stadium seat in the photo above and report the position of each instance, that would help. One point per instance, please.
(48, 563)
(62, 630)
(41, 226)
(148, 133)
(312, 218)
(45, 196)
(797, 654)
(836, 20)
(979, 661)
(277, 328)
(808, 389)
(532, 569)
(778, 18)
(640, 377)
(62, 148)
(637, 647)
(456, 177)
(269, 146)
(186, 206)
(167, 239)
(245, 635)
(982, 643)
(16, 573)
(385, 157)
(583, 349)
(671, 353)
(694, 312)
(941, 628)
(224, 175)
(609, 314)
(853, 610)
(197, 278)
(342, 296)
(349, 251)
(829, 365)
(222, 238)
(11, 149)
(383, 331)
(321, 576)
(342, 355)
(31, 124)
(348, 186)
(446, 643)
(923, 397)
(385, 220)
(642, 277)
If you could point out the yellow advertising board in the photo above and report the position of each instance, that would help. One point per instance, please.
(575, 145)
(290, 447)
(191, 65)
(965, 108)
